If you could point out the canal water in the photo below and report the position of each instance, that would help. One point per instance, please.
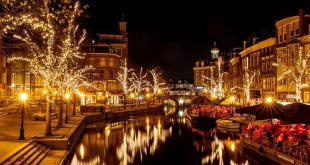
(161, 139)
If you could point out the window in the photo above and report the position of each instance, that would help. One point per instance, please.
(101, 74)
(257, 59)
(102, 62)
(263, 67)
(111, 74)
(91, 61)
(112, 62)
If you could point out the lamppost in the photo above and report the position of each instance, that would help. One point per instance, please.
(12, 89)
(233, 99)
(82, 102)
(23, 97)
(67, 97)
(148, 100)
(181, 102)
(132, 95)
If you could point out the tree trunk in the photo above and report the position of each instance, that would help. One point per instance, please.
(154, 96)
(74, 104)
(60, 113)
(298, 91)
(48, 128)
(125, 101)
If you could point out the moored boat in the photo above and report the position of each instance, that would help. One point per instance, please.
(228, 125)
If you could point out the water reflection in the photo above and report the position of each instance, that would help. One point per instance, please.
(122, 142)
(159, 140)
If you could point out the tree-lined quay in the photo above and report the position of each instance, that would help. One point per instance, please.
(60, 80)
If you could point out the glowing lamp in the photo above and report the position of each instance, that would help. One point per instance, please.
(269, 100)
(67, 96)
(232, 98)
(12, 85)
(23, 96)
(148, 95)
(132, 95)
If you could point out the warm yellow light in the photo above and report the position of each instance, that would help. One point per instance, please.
(148, 95)
(232, 147)
(67, 96)
(147, 89)
(147, 120)
(12, 85)
(159, 91)
(44, 91)
(269, 100)
(132, 95)
(23, 96)
(232, 98)
(55, 92)
(82, 151)
(82, 94)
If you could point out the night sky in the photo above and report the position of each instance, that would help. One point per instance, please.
(173, 35)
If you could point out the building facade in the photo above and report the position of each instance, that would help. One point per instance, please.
(291, 34)
(106, 55)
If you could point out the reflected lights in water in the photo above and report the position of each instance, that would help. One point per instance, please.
(142, 144)
(82, 151)
(232, 147)
(217, 147)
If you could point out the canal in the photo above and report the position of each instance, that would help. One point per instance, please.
(161, 139)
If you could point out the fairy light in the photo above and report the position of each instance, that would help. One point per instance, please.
(123, 78)
(139, 82)
(248, 81)
(296, 69)
(52, 42)
(157, 84)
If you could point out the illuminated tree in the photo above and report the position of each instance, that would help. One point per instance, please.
(248, 78)
(48, 31)
(220, 90)
(212, 87)
(139, 82)
(156, 83)
(123, 78)
(215, 87)
(295, 68)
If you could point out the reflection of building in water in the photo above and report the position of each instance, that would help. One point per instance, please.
(120, 142)
(141, 143)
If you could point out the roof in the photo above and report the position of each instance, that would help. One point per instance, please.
(265, 43)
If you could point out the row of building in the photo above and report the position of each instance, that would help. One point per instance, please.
(259, 57)
(105, 53)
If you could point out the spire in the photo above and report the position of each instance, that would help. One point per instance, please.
(122, 25)
(123, 17)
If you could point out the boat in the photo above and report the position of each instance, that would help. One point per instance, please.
(228, 125)
(200, 121)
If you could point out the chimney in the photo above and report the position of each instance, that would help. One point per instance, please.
(301, 22)
(122, 25)
(255, 40)
(244, 44)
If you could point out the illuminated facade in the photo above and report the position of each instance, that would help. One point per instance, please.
(292, 32)
(259, 58)
(106, 55)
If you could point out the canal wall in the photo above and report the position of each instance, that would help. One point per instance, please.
(68, 142)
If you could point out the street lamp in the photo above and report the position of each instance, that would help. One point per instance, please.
(233, 99)
(23, 97)
(181, 102)
(269, 100)
(67, 97)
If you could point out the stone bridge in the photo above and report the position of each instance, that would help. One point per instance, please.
(179, 100)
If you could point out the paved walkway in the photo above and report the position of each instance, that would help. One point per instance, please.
(10, 125)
